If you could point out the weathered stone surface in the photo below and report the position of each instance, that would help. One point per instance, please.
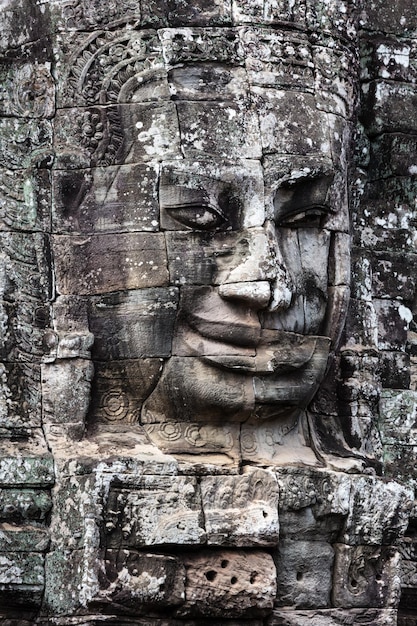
(378, 512)
(218, 444)
(160, 511)
(366, 576)
(397, 410)
(229, 583)
(26, 470)
(93, 69)
(333, 617)
(140, 261)
(313, 504)
(395, 370)
(241, 510)
(304, 573)
(152, 130)
(182, 185)
(393, 323)
(66, 390)
(26, 538)
(132, 324)
(120, 387)
(106, 199)
(21, 579)
(17, 505)
(139, 580)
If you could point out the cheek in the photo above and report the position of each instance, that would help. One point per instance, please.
(306, 255)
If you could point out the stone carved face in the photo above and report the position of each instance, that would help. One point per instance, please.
(214, 239)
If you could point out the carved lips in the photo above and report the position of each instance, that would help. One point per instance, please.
(244, 346)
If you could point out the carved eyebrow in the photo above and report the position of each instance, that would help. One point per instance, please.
(297, 195)
(173, 196)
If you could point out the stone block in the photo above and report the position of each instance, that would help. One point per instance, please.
(234, 192)
(71, 581)
(25, 538)
(399, 462)
(399, 19)
(217, 445)
(288, 62)
(393, 323)
(26, 255)
(281, 122)
(408, 574)
(193, 45)
(225, 130)
(159, 511)
(199, 13)
(392, 155)
(361, 323)
(25, 199)
(397, 417)
(229, 584)
(27, 90)
(21, 24)
(19, 468)
(106, 199)
(84, 16)
(389, 107)
(392, 199)
(20, 395)
(110, 262)
(66, 390)
(137, 580)
(366, 576)
(395, 370)
(120, 388)
(393, 276)
(22, 140)
(96, 135)
(334, 87)
(21, 579)
(76, 513)
(304, 573)
(333, 617)
(133, 324)
(22, 505)
(226, 397)
(241, 510)
(378, 512)
(333, 18)
(195, 82)
(313, 504)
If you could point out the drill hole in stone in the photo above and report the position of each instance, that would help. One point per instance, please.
(253, 577)
(224, 563)
(211, 575)
(264, 513)
(354, 583)
(233, 580)
(299, 576)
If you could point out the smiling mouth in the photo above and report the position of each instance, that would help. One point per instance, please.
(234, 331)
(268, 351)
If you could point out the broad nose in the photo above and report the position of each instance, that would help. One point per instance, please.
(259, 277)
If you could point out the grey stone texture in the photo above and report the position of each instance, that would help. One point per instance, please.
(208, 355)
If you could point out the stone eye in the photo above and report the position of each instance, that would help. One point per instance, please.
(198, 217)
(309, 218)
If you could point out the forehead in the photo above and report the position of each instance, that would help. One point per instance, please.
(193, 93)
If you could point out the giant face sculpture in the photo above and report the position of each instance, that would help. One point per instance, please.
(208, 245)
